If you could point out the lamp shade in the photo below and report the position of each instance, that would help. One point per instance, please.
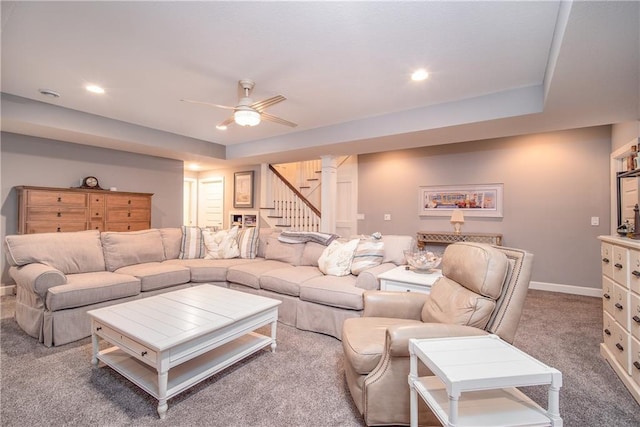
(246, 117)
(457, 216)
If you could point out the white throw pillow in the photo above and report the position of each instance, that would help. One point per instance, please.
(221, 244)
(336, 258)
(369, 253)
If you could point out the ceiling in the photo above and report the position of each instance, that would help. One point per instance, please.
(496, 69)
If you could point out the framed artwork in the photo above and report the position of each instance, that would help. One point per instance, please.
(243, 189)
(475, 200)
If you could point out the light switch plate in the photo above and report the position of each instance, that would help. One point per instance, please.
(595, 221)
(387, 217)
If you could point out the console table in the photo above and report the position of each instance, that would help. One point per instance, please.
(445, 238)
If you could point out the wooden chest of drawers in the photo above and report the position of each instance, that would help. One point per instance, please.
(44, 209)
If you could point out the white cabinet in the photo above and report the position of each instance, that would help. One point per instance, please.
(620, 257)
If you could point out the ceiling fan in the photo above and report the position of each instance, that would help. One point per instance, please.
(247, 112)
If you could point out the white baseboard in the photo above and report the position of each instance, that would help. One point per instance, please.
(7, 290)
(566, 289)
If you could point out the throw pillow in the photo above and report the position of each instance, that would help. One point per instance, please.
(336, 258)
(221, 244)
(369, 253)
(248, 242)
(192, 245)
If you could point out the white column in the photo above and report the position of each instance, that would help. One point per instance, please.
(329, 191)
(266, 198)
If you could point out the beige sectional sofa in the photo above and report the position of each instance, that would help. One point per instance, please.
(61, 276)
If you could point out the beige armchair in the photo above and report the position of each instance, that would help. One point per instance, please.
(482, 291)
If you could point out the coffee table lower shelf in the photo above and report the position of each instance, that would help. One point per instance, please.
(495, 407)
(187, 374)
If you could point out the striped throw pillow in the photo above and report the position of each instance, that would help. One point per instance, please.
(192, 245)
(369, 253)
(248, 242)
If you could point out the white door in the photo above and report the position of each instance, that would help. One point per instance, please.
(347, 198)
(211, 202)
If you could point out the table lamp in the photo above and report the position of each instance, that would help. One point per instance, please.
(457, 219)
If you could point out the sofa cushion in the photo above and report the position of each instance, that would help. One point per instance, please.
(248, 242)
(290, 253)
(131, 247)
(71, 253)
(90, 288)
(221, 244)
(311, 253)
(287, 280)
(171, 241)
(334, 291)
(192, 243)
(263, 235)
(155, 275)
(478, 267)
(449, 302)
(210, 270)
(369, 253)
(249, 274)
(336, 258)
(394, 247)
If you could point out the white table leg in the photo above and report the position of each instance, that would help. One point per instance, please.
(273, 334)
(453, 410)
(162, 394)
(94, 342)
(413, 376)
(554, 405)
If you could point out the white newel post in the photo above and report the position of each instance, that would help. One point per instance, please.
(329, 191)
(266, 198)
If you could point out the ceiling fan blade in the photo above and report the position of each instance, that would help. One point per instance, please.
(226, 122)
(274, 119)
(264, 104)
(226, 107)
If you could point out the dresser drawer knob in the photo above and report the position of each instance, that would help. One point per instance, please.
(58, 230)
(619, 306)
(608, 332)
(128, 202)
(59, 214)
(636, 319)
(59, 199)
(605, 260)
(99, 328)
(636, 364)
(636, 273)
(617, 265)
(144, 353)
(619, 346)
(606, 296)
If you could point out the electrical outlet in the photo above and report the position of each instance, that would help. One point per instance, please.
(387, 217)
(595, 221)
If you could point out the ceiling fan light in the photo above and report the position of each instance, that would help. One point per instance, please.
(246, 117)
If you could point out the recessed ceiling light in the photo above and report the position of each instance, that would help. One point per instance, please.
(94, 89)
(49, 92)
(221, 127)
(419, 75)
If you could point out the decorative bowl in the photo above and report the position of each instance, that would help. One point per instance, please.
(422, 261)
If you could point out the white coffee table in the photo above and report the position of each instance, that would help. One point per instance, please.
(474, 383)
(167, 343)
(400, 279)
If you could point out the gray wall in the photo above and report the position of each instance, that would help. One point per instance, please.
(553, 184)
(49, 163)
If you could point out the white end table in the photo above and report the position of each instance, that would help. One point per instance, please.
(402, 280)
(487, 370)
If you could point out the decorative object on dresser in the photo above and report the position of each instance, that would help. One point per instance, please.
(91, 182)
(457, 219)
(48, 209)
(621, 309)
(444, 238)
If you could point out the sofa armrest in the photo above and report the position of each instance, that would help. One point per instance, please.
(37, 278)
(368, 279)
(398, 335)
(400, 305)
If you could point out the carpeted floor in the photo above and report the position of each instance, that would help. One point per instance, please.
(302, 384)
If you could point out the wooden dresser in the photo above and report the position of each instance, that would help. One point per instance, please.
(45, 209)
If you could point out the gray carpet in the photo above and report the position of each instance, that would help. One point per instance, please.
(302, 384)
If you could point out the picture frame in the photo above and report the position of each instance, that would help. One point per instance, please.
(243, 189)
(475, 200)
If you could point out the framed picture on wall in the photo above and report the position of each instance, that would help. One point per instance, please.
(243, 189)
(475, 200)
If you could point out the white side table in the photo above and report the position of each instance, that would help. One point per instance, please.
(402, 280)
(487, 371)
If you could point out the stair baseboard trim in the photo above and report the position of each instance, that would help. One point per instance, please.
(566, 289)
